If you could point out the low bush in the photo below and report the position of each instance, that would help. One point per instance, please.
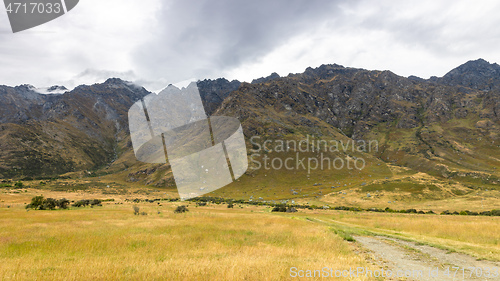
(284, 209)
(62, 203)
(280, 208)
(41, 203)
(49, 204)
(87, 202)
(181, 209)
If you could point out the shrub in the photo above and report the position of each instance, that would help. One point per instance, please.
(280, 208)
(95, 202)
(181, 209)
(40, 203)
(87, 202)
(18, 185)
(284, 209)
(62, 203)
(389, 210)
(230, 205)
(36, 202)
(49, 204)
(81, 203)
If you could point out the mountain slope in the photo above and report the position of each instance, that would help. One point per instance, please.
(442, 130)
(46, 135)
(450, 132)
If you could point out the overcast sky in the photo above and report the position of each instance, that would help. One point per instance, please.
(157, 42)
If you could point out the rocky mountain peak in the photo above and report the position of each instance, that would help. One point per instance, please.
(57, 88)
(114, 81)
(476, 74)
(25, 87)
(273, 76)
(477, 67)
(213, 92)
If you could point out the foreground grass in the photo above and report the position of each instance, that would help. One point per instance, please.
(207, 243)
(110, 243)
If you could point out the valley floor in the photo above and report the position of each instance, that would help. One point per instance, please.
(215, 242)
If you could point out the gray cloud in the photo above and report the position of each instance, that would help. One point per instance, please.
(158, 42)
(208, 37)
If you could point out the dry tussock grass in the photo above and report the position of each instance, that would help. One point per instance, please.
(110, 243)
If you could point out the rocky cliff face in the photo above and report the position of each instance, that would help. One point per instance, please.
(355, 100)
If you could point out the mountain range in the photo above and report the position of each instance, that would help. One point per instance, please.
(445, 127)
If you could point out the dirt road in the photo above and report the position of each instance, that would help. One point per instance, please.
(402, 260)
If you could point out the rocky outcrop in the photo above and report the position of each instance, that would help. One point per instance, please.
(213, 92)
(273, 76)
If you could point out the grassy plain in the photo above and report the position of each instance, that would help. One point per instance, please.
(207, 243)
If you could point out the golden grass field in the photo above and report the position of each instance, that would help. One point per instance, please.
(207, 243)
(110, 243)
